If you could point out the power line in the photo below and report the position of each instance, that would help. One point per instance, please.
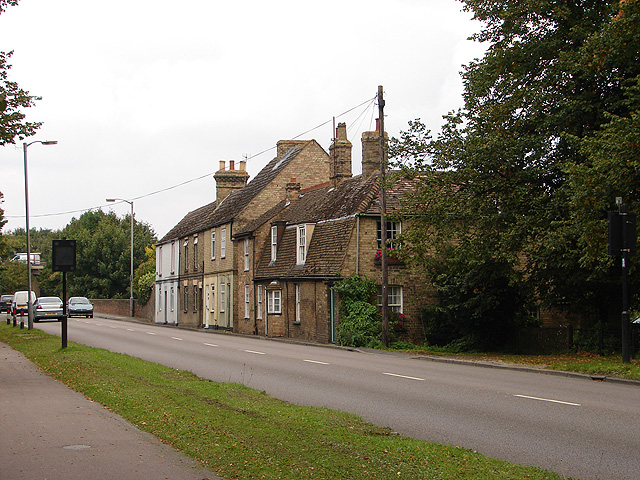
(368, 102)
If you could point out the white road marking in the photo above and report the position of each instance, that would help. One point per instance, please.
(210, 345)
(111, 326)
(315, 361)
(177, 338)
(150, 333)
(253, 351)
(549, 400)
(130, 329)
(403, 376)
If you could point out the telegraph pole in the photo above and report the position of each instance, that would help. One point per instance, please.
(383, 224)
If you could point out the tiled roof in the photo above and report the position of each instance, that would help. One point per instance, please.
(192, 222)
(250, 226)
(233, 205)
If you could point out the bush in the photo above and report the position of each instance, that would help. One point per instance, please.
(360, 324)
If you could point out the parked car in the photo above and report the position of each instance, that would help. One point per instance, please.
(19, 303)
(47, 307)
(79, 307)
(5, 303)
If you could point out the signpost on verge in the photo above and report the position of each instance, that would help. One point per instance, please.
(622, 242)
(64, 260)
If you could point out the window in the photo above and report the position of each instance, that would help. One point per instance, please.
(246, 254)
(213, 245)
(394, 298)
(274, 301)
(160, 260)
(246, 301)
(260, 301)
(195, 252)
(160, 299)
(274, 242)
(195, 298)
(297, 320)
(173, 256)
(223, 243)
(212, 304)
(172, 299)
(186, 255)
(223, 297)
(302, 244)
(393, 230)
(186, 298)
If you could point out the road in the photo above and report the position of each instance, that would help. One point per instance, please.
(573, 426)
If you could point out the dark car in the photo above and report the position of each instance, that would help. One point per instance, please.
(5, 303)
(47, 307)
(79, 307)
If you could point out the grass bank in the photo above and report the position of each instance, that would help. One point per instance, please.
(579, 362)
(241, 433)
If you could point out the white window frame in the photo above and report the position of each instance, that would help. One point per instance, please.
(260, 301)
(274, 243)
(186, 255)
(223, 243)
(274, 301)
(298, 313)
(212, 302)
(213, 245)
(393, 230)
(172, 299)
(301, 242)
(246, 254)
(395, 298)
(195, 298)
(195, 252)
(186, 298)
(223, 296)
(173, 257)
(159, 260)
(247, 304)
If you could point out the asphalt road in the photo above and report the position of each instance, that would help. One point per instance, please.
(573, 426)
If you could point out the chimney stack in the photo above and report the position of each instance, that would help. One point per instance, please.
(293, 190)
(371, 151)
(228, 181)
(340, 152)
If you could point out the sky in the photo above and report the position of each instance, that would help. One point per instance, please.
(145, 98)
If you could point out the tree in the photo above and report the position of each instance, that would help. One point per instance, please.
(504, 179)
(360, 323)
(103, 253)
(144, 278)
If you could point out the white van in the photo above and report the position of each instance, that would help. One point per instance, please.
(19, 304)
(22, 258)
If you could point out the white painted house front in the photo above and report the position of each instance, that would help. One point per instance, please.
(167, 293)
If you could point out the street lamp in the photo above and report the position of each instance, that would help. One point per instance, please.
(131, 273)
(26, 204)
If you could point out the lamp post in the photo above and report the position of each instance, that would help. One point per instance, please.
(131, 272)
(26, 207)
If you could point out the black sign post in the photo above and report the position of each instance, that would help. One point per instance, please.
(64, 260)
(622, 242)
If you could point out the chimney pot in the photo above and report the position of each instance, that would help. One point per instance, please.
(232, 165)
(243, 165)
(222, 164)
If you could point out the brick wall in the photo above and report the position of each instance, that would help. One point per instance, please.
(120, 307)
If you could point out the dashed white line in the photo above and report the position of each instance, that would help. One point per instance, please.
(150, 333)
(549, 400)
(130, 330)
(316, 361)
(253, 351)
(403, 376)
(177, 338)
(211, 345)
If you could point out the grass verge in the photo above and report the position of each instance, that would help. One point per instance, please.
(241, 433)
(578, 362)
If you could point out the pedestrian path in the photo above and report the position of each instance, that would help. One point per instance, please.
(50, 432)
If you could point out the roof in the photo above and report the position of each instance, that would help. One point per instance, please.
(192, 222)
(333, 211)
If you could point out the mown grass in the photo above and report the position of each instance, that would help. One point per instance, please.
(241, 433)
(579, 362)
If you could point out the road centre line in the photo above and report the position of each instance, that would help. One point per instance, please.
(177, 338)
(210, 345)
(149, 333)
(253, 351)
(403, 376)
(130, 330)
(316, 361)
(549, 400)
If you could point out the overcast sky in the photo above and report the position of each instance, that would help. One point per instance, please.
(146, 95)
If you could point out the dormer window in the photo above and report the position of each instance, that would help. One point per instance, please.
(301, 241)
(274, 242)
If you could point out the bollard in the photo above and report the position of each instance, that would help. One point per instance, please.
(21, 320)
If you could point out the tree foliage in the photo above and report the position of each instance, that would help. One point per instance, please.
(360, 323)
(523, 175)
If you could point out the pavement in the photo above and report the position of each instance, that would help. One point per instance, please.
(50, 432)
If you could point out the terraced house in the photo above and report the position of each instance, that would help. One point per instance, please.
(262, 258)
